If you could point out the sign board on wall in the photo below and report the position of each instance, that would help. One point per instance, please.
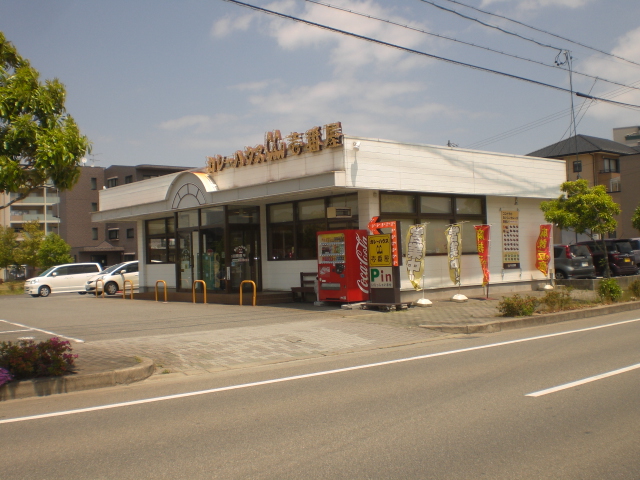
(381, 277)
(510, 239)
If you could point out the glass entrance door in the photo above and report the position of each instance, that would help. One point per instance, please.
(244, 255)
(214, 271)
(188, 257)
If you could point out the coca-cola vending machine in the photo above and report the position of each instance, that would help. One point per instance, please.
(343, 266)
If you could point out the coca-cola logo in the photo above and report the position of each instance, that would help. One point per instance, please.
(362, 252)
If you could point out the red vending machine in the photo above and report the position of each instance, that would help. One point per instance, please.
(343, 266)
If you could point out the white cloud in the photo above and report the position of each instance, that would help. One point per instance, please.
(198, 124)
(226, 26)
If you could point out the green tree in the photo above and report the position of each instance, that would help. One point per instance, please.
(585, 210)
(8, 244)
(635, 220)
(53, 251)
(39, 141)
(26, 252)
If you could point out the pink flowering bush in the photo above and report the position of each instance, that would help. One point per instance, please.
(27, 359)
(5, 376)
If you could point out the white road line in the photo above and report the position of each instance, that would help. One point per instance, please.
(15, 331)
(77, 340)
(307, 375)
(583, 381)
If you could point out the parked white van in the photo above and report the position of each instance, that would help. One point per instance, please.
(70, 277)
(113, 278)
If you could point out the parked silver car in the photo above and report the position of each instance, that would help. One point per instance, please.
(573, 261)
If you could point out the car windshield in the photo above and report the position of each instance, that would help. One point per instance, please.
(112, 268)
(579, 251)
(46, 272)
(624, 247)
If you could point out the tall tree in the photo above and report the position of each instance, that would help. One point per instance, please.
(53, 251)
(26, 252)
(8, 244)
(39, 141)
(635, 220)
(585, 210)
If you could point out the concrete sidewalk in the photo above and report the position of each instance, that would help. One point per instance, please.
(276, 334)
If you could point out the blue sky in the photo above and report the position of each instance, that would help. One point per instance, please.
(171, 82)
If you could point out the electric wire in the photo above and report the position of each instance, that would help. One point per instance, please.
(444, 37)
(492, 26)
(540, 122)
(544, 31)
(418, 52)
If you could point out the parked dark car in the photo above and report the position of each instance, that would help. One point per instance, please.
(635, 247)
(573, 261)
(619, 255)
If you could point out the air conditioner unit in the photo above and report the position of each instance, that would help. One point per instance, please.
(339, 212)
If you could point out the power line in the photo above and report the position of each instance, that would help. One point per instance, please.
(429, 55)
(543, 31)
(408, 27)
(492, 26)
(540, 122)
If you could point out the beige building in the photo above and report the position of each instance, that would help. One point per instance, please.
(629, 136)
(602, 162)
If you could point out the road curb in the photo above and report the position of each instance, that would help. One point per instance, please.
(534, 320)
(42, 387)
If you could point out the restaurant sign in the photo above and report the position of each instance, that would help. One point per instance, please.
(276, 148)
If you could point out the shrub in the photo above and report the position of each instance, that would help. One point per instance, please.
(634, 288)
(557, 300)
(27, 359)
(5, 376)
(609, 290)
(517, 306)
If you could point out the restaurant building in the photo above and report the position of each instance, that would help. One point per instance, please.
(254, 214)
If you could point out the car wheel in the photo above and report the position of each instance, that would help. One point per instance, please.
(44, 291)
(82, 293)
(111, 288)
(560, 275)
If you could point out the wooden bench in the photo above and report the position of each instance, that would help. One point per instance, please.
(307, 285)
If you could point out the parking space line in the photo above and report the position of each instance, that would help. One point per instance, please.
(583, 381)
(34, 329)
(14, 331)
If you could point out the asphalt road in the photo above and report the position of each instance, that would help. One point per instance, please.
(448, 409)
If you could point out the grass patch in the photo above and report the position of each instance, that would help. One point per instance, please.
(12, 288)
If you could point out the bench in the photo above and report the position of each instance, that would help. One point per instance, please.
(307, 285)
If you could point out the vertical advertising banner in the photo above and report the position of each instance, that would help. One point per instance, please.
(415, 254)
(510, 239)
(454, 251)
(482, 241)
(542, 249)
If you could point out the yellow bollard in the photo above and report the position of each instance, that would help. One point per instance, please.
(165, 290)
(254, 290)
(204, 290)
(124, 289)
(102, 282)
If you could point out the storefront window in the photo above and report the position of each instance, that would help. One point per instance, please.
(435, 205)
(281, 242)
(350, 201)
(188, 218)
(437, 211)
(212, 216)
(282, 212)
(311, 209)
(161, 241)
(468, 206)
(397, 203)
(293, 226)
(243, 215)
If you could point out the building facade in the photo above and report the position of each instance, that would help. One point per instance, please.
(604, 162)
(109, 243)
(254, 215)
